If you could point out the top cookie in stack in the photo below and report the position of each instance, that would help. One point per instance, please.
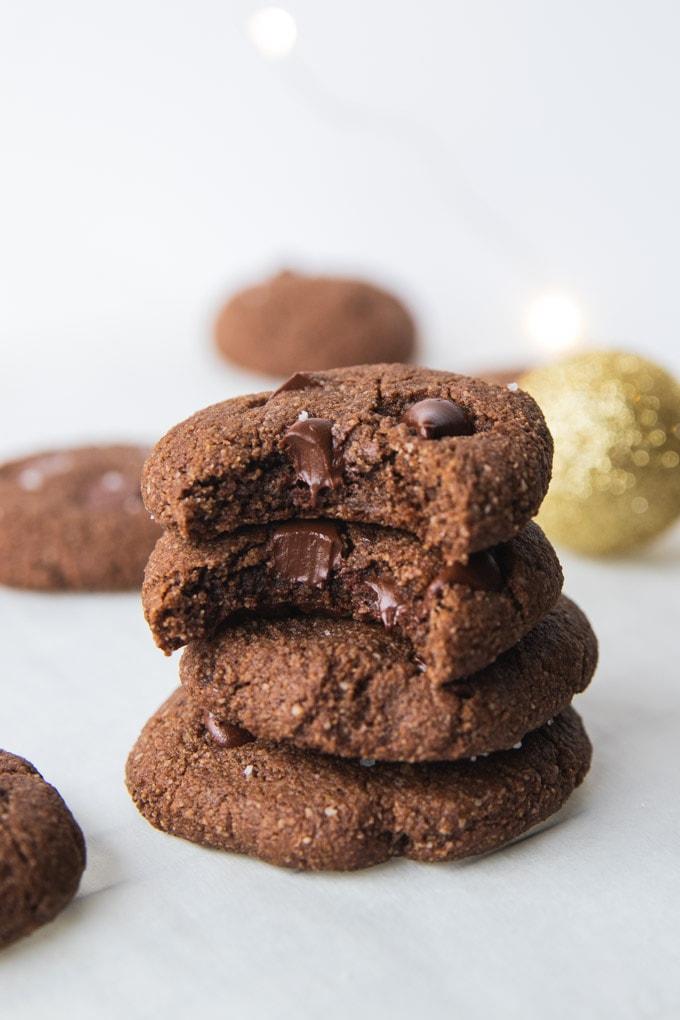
(458, 463)
(351, 563)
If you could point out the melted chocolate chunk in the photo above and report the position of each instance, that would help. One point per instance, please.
(226, 734)
(297, 381)
(309, 443)
(481, 573)
(306, 551)
(390, 604)
(434, 418)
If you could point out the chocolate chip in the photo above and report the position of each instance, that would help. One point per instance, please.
(390, 605)
(297, 381)
(310, 445)
(481, 573)
(434, 418)
(306, 551)
(226, 734)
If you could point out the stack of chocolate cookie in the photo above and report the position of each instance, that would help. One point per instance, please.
(378, 658)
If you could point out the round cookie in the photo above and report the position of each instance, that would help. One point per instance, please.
(353, 689)
(42, 850)
(293, 321)
(502, 376)
(458, 619)
(461, 464)
(73, 520)
(299, 809)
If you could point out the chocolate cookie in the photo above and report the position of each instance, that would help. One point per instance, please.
(293, 321)
(74, 520)
(458, 619)
(353, 689)
(502, 376)
(299, 809)
(459, 463)
(42, 850)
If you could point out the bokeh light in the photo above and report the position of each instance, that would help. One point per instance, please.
(272, 31)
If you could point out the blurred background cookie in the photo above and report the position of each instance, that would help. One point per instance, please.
(42, 850)
(293, 321)
(73, 520)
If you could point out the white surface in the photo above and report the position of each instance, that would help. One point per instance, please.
(151, 162)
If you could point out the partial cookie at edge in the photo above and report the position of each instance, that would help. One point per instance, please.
(42, 850)
(73, 520)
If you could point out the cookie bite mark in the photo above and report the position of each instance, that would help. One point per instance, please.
(434, 418)
(306, 551)
(227, 466)
(306, 565)
(309, 444)
(297, 381)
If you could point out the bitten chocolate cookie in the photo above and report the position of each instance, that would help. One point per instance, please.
(457, 618)
(74, 520)
(42, 850)
(352, 689)
(299, 809)
(459, 463)
(293, 321)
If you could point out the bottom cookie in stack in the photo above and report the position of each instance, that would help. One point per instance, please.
(463, 769)
(302, 809)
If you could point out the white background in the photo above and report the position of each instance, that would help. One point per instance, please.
(469, 156)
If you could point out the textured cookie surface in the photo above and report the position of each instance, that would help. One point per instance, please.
(459, 463)
(299, 809)
(74, 520)
(458, 619)
(42, 851)
(353, 689)
(311, 322)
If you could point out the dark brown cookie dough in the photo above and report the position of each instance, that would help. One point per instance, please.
(74, 520)
(299, 809)
(353, 689)
(42, 850)
(458, 619)
(362, 444)
(312, 322)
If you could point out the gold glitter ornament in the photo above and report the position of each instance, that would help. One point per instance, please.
(615, 420)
